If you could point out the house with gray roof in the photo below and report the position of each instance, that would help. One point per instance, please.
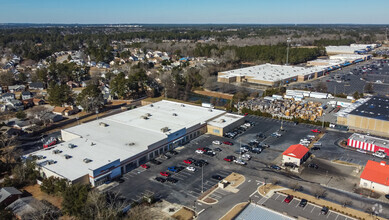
(8, 195)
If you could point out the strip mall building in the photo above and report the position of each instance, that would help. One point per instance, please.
(103, 149)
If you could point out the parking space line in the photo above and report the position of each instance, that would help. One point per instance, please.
(277, 197)
(329, 213)
(337, 216)
(312, 209)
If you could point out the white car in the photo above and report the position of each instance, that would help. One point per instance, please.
(379, 154)
(240, 162)
(216, 142)
(192, 169)
(246, 157)
(199, 152)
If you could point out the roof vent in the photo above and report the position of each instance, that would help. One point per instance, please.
(87, 160)
(131, 144)
(67, 156)
(151, 105)
(383, 163)
(102, 124)
(210, 110)
(71, 146)
(222, 121)
(182, 105)
(165, 129)
(148, 114)
(57, 151)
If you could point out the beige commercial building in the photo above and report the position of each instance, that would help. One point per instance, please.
(223, 124)
(370, 116)
(271, 74)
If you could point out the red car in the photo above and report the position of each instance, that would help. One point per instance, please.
(288, 199)
(316, 131)
(227, 159)
(227, 143)
(145, 166)
(165, 174)
(187, 161)
(202, 149)
(245, 114)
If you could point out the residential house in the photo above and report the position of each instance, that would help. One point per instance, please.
(24, 124)
(16, 88)
(36, 86)
(25, 207)
(375, 176)
(10, 131)
(295, 154)
(3, 107)
(67, 111)
(38, 101)
(51, 117)
(28, 103)
(1, 89)
(15, 104)
(8, 195)
(26, 95)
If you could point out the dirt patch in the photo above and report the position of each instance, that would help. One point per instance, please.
(214, 94)
(209, 200)
(207, 192)
(367, 192)
(184, 214)
(344, 163)
(234, 211)
(36, 192)
(263, 190)
(235, 179)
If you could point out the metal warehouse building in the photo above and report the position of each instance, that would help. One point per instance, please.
(271, 74)
(371, 115)
(100, 150)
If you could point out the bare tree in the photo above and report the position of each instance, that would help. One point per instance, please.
(319, 192)
(143, 212)
(38, 111)
(347, 203)
(43, 210)
(104, 206)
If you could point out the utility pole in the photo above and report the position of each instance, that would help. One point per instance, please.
(287, 51)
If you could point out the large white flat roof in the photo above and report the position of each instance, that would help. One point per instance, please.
(225, 120)
(346, 49)
(271, 72)
(126, 135)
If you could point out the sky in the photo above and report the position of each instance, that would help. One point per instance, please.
(195, 11)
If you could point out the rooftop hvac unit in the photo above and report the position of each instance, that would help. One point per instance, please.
(182, 105)
(165, 129)
(102, 124)
(174, 114)
(50, 162)
(148, 114)
(210, 110)
(86, 160)
(144, 117)
(131, 144)
(67, 156)
(151, 105)
(71, 146)
(39, 157)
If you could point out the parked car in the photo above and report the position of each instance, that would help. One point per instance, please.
(289, 164)
(324, 210)
(313, 165)
(315, 148)
(380, 154)
(192, 169)
(145, 166)
(303, 203)
(240, 162)
(165, 174)
(171, 180)
(288, 199)
(199, 151)
(216, 142)
(173, 169)
(230, 158)
(156, 162)
(164, 156)
(246, 157)
(315, 131)
(173, 152)
(187, 161)
(217, 177)
(160, 179)
(203, 162)
(210, 153)
(275, 167)
(217, 149)
(227, 143)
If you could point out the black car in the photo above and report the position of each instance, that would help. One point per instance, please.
(387, 196)
(156, 162)
(160, 179)
(217, 149)
(217, 177)
(209, 153)
(313, 165)
(171, 180)
(324, 210)
(275, 167)
(303, 203)
(315, 148)
(198, 164)
(191, 159)
(256, 151)
(289, 164)
(173, 152)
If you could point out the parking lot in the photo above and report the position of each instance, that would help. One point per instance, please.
(310, 211)
(354, 78)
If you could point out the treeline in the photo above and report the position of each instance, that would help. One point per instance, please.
(329, 42)
(262, 53)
